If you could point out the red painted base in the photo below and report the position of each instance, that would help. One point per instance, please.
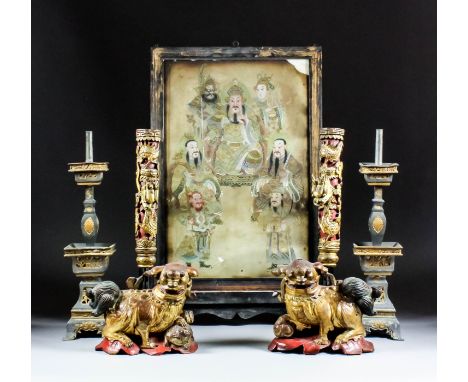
(309, 346)
(114, 347)
(355, 347)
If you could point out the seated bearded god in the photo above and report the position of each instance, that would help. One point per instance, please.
(239, 151)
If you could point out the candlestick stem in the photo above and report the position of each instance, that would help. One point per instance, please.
(377, 220)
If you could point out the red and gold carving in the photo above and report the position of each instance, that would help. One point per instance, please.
(326, 194)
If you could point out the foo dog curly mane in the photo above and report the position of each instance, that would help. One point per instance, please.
(103, 297)
(362, 294)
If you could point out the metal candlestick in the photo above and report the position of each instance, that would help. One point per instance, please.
(377, 258)
(89, 259)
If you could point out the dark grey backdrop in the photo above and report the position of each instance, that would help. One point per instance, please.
(91, 71)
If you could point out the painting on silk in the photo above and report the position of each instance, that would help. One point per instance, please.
(237, 149)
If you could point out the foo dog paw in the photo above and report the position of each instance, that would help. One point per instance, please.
(284, 327)
(340, 340)
(353, 346)
(283, 330)
(322, 341)
(188, 316)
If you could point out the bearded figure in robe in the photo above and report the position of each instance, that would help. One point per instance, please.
(282, 170)
(239, 151)
(191, 173)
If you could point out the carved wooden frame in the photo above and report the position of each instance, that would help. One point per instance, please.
(228, 297)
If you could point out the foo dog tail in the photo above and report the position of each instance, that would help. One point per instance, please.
(362, 294)
(103, 297)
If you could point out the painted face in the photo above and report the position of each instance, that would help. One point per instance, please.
(209, 93)
(275, 199)
(261, 91)
(235, 103)
(192, 149)
(196, 201)
(279, 149)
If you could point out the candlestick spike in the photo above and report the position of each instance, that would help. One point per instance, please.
(89, 146)
(378, 146)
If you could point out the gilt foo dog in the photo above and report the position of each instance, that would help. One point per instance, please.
(147, 313)
(309, 305)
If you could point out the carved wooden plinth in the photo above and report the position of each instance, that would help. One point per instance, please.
(309, 346)
(159, 348)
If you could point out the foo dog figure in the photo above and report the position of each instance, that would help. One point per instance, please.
(335, 305)
(147, 313)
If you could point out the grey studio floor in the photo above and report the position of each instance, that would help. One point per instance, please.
(234, 353)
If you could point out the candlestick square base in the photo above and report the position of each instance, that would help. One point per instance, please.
(388, 325)
(82, 319)
(378, 262)
(89, 263)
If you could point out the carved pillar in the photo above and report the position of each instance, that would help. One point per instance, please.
(146, 198)
(326, 195)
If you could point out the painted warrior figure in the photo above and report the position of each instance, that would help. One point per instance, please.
(194, 174)
(275, 222)
(267, 109)
(206, 116)
(239, 151)
(283, 170)
(200, 221)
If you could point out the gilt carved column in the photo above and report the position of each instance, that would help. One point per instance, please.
(146, 199)
(326, 195)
